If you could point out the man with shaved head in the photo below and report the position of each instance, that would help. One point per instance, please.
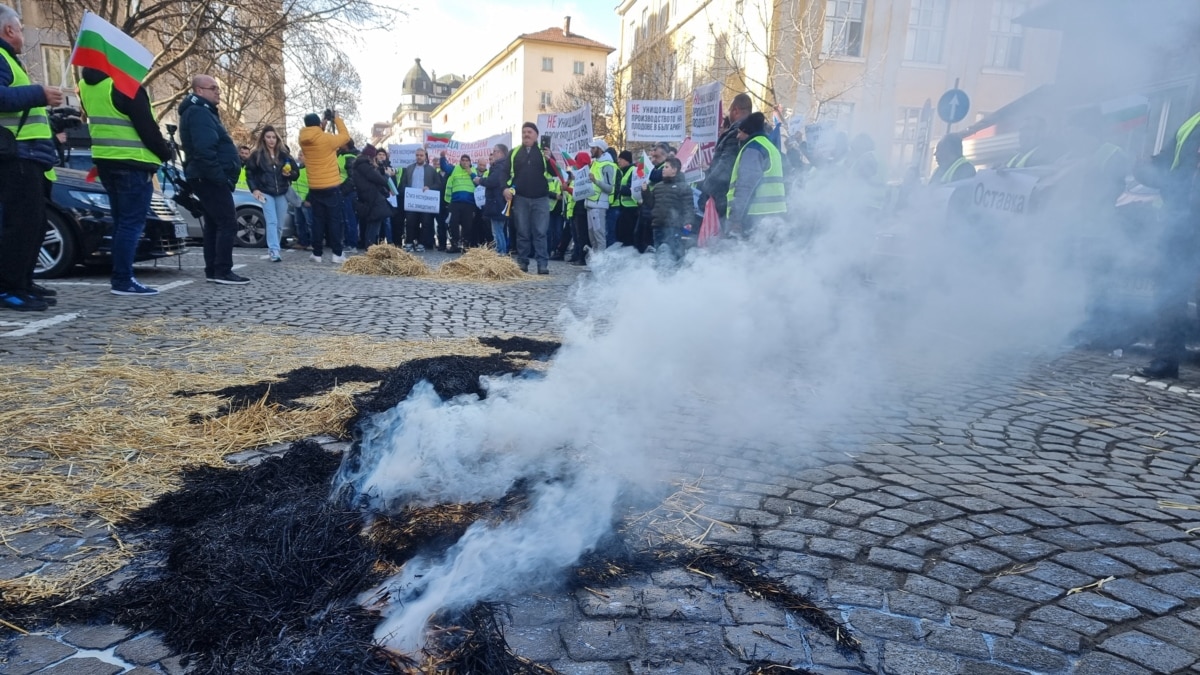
(26, 153)
(211, 165)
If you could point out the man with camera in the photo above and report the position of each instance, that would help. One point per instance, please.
(211, 166)
(26, 154)
(127, 148)
(324, 182)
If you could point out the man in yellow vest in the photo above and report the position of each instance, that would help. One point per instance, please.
(127, 148)
(604, 178)
(951, 165)
(1176, 173)
(756, 188)
(26, 153)
(627, 220)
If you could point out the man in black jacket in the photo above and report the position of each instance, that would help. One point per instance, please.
(127, 148)
(720, 171)
(529, 190)
(211, 166)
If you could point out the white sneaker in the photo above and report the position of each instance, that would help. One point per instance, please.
(315, 258)
(338, 259)
(420, 248)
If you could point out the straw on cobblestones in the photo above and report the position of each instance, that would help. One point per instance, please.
(482, 264)
(388, 261)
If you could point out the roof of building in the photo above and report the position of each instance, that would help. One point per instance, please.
(417, 80)
(564, 37)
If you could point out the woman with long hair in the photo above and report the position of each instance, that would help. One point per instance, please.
(269, 172)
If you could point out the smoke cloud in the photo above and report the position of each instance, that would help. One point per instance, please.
(767, 341)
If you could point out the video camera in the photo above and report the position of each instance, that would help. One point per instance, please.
(182, 192)
(64, 118)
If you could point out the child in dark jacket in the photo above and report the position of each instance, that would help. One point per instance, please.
(671, 209)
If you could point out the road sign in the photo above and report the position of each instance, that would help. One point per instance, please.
(953, 106)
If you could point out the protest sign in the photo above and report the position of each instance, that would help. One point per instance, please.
(1002, 193)
(569, 132)
(583, 186)
(655, 121)
(706, 123)
(403, 154)
(421, 201)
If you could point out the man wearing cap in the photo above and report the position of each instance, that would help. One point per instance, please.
(628, 219)
(604, 178)
(529, 171)
(756, 189)
(719, 174)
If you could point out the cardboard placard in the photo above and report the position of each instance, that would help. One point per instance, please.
(421, 201)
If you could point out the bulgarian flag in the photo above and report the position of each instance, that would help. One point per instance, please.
(104, 47)
(644, 166)
(438, 138)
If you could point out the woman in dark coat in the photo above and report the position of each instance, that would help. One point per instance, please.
(371, 205)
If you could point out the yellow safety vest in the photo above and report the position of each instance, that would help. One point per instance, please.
(1018, 160)
(37, 122)
(241, 181)
(769, 195)
(570, 204)
(113, 135)
(627, 202)
(1181, 136)
(948, 177)
(301, 184)
(597, 171)
(555, 191)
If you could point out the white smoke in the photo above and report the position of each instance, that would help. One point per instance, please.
(764, 341)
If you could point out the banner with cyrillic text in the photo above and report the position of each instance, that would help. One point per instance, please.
(403, 154)
(654, 121)
(569, 132)
(422, 201)
(706, 123)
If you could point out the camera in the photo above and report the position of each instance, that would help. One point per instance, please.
(328, 115)
(64, 118)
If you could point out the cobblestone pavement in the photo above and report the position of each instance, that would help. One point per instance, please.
(948, 533)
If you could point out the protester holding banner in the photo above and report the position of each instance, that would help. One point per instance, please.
(645, 231)
(719, 174)
(419, 176)
(528, 170)
(495, 207)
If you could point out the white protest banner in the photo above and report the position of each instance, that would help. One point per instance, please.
(401, 155)
(653, 121)
(583, 186)
(706, 122)
(821, 137)
(1002, 193)
(421, 201)
(476, 150)
(569, 132)
(480, 196)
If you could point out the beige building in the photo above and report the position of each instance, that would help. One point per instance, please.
(867, 66)
(519, 83)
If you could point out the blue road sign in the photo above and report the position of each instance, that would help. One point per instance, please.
(953, 106)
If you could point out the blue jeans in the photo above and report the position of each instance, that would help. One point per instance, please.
(498, 235)
(666, 241)
(532, 216)
(275, 208)
(304, 225)
(610, 225)
(129, 193)
(386, 231)
(350, 236)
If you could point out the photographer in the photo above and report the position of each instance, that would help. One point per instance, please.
(324, 182)
(26, 154)
(127, 148)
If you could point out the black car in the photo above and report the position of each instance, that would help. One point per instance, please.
(79, 223)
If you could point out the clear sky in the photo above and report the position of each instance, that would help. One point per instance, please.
(457, 36)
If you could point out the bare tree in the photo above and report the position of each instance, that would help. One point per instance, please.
(598, 89)
(326, 80)
(652, 73)
(242, 44)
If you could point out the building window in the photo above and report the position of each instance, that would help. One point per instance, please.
(926, 31)
(547, 64)
(904, 139)
(839, 113)
(545, 99)
(843, 27)
(1004, 37)
(56, 69)
(578, 69)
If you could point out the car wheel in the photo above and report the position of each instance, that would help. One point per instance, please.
(251, 227)
(57, 255)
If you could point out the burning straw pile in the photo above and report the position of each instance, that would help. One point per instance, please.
(388, 261)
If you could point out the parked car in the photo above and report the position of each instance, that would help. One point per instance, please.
(252, 227)
(79, 223)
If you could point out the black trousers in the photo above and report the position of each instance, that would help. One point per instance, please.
(462, 219)
(220, 226)
(23, 193)
(329, 219)
(1175, 281)
(581, 233)
(418, 229)
(627, 225)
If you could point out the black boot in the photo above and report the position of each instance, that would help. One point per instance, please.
(1161, 369)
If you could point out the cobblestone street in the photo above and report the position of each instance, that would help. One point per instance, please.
(1010, 523)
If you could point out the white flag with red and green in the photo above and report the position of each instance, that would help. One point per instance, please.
(104, 47)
